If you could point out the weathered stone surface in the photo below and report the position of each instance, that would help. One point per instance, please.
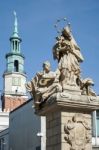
(64, 97)
(69, 101)
(66, 78)
(78, 132)
(68, 119)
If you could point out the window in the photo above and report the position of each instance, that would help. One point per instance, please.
(2, 144)
(16, 81)
(97, 120)
(38, 148)
(16, 45)
(95, 127)
(16, 66)
(13, 45)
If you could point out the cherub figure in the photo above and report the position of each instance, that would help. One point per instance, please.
(44, 84)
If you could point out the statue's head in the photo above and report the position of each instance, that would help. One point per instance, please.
(66, 32)
(46, 66)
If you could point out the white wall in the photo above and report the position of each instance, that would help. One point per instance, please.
(4, 120)
(43, 131)
(23, 128)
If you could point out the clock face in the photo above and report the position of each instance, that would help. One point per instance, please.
(16, 81)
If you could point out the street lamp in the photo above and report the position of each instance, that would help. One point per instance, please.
(39, 134)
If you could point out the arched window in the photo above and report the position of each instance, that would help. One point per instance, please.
(16, 66)
(16, 45)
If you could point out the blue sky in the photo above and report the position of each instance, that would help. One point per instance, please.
(36, 20)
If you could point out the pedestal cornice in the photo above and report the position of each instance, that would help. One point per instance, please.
(69, 101)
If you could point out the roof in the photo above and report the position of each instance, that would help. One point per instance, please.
(22, 105)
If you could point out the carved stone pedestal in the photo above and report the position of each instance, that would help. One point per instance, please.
(68, 121)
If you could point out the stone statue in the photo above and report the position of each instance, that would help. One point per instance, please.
(68, 54)
(67, 75)
(64, 97)
(44, 84)
(86, 87)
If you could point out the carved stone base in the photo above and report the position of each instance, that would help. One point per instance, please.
(72, 89)
(64, 133)
(68, 121)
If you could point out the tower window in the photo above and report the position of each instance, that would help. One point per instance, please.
(16, 66)
(15, 45)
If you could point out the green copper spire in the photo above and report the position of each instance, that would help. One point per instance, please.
(15, 24)
(15, 59)
(15, 33)
(15, 39)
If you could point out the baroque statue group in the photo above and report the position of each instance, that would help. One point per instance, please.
(67, 75)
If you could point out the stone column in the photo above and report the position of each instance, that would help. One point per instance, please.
(68, 121)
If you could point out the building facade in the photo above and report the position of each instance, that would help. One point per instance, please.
(14, 91)
(14, 79)
(26, 130)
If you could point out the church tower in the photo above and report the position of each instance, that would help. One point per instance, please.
(14, 91)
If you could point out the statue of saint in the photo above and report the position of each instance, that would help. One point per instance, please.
(44, 84)
(68, 54)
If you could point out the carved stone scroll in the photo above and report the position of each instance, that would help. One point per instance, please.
(77, 133)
